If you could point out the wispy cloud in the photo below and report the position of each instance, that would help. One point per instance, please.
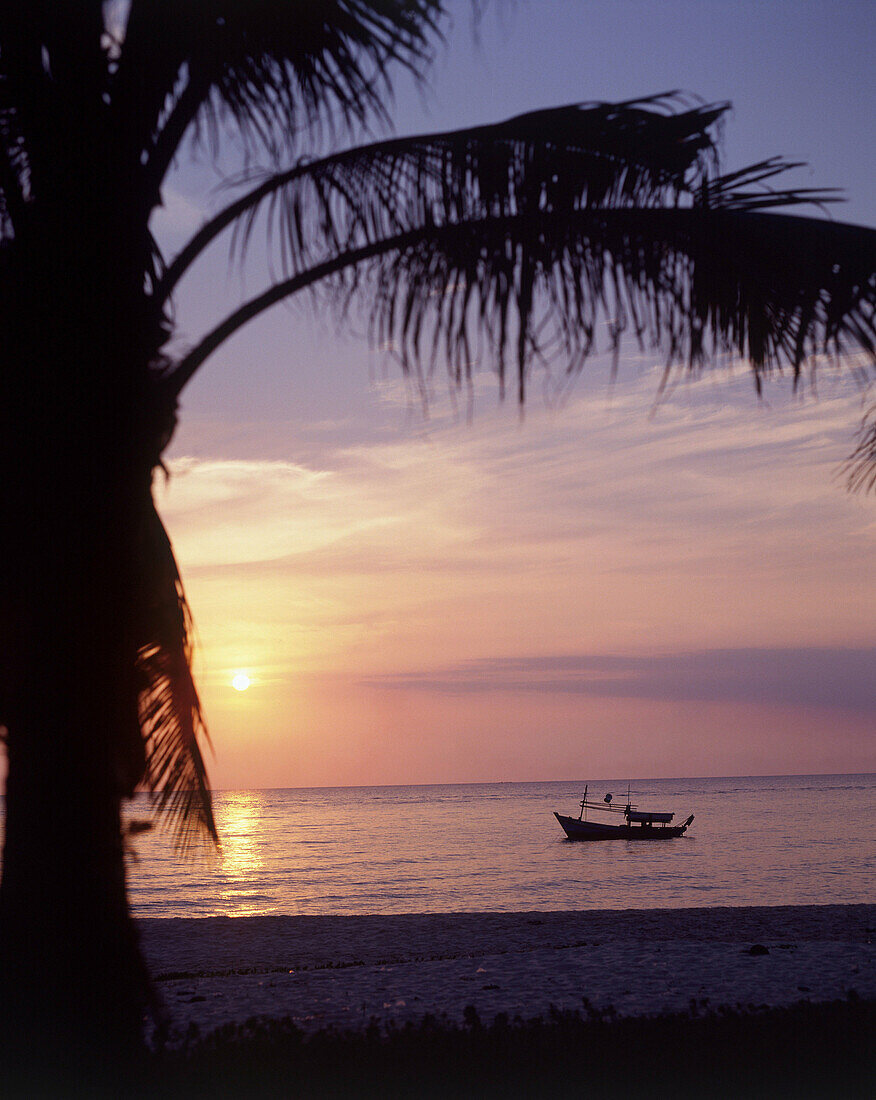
(815, 676)
(237, 513)
(714, 524)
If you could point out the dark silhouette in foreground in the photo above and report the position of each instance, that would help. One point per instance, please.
(804, 1051)
(527, 238)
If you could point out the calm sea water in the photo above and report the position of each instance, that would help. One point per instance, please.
(776, 840)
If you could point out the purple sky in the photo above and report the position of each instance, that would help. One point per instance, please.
(592, 591)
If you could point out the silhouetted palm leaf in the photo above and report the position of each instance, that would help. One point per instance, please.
(271, 70)
(529, 235)
(644, 153)
(170, 710)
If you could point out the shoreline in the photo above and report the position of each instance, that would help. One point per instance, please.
(346, 971)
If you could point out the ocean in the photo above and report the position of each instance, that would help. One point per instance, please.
(496, 847)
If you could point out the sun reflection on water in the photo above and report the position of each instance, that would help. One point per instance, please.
(242, 866)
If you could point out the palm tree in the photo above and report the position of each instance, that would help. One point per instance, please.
(525, 236)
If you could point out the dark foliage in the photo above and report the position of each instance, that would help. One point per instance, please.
(522, 237)
(802, 1051)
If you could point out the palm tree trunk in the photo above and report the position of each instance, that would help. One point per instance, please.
(74, 987)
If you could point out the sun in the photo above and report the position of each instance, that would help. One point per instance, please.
(241, 681)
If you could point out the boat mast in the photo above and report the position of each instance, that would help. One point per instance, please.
(583, 803)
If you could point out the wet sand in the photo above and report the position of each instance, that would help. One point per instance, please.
(343, 972)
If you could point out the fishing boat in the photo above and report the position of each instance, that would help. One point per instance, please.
(637, 824)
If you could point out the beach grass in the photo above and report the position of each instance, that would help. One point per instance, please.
(804, 1050)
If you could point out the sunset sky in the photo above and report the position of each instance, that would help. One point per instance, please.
(600, 588)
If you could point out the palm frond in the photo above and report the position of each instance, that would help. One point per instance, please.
(171, 720)
(687, 283)
(650, 152)
(534, 235)
(277, 63)
(271, 70)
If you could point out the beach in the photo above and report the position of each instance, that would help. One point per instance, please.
(344, 972)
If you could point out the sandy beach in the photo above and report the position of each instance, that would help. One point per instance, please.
(344, 971)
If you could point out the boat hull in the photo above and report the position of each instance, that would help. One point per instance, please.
(595, 830)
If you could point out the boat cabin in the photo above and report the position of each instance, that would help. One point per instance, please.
(647, 818)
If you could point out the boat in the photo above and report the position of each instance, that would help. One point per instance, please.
(637, 824)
